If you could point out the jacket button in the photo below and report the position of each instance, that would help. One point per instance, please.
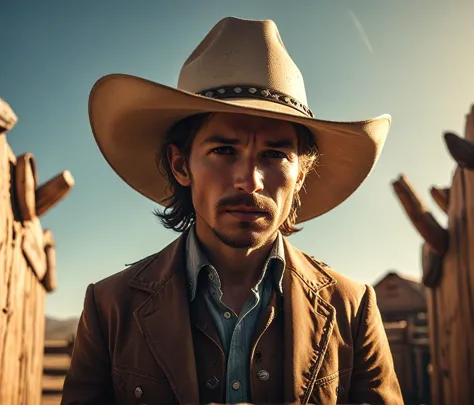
(263, 375)
(138, 392)
(236, 385)
(212, 382)
(339, 389)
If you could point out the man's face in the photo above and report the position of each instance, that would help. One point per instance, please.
(244, 174)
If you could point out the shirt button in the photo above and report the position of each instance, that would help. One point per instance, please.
(236, 385)
(227, 315)
(138, 392)
(212, 382)
(263, 375)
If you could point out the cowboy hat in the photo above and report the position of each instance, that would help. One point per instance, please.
(241, 66)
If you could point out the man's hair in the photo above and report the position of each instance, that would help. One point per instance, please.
(179, 213)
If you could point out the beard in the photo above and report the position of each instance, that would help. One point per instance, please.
(251, 235)
(249, 242)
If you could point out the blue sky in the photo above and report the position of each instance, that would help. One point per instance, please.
(412, 59)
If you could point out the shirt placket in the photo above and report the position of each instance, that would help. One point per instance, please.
(236, 332)
(237, 365)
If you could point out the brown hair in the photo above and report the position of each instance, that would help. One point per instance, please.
(179, 213)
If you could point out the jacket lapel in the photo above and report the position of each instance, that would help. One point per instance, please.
(309, 321)
(164, 319)
(201, 318)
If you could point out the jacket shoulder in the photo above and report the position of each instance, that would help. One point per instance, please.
(115, 281)
(343, 284)
(344, 292)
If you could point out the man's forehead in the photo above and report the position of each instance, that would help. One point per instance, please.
(240, 124)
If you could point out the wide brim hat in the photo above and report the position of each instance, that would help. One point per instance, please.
(240, 67)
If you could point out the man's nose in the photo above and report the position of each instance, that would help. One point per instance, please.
(249, 178)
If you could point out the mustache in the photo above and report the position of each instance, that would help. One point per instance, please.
(248, 200)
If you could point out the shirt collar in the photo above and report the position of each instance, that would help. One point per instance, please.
(196, 261)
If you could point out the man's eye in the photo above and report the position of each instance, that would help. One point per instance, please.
(275, 154)
(223, 150)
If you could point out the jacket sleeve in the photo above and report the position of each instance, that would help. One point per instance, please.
(88, 381)
(373, 379)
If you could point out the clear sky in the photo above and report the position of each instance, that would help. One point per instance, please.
(412, 59)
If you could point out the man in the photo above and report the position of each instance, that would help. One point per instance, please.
(231, 312)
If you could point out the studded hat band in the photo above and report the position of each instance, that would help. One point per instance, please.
(258, 93)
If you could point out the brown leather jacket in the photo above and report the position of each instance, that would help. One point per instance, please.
(140, 342)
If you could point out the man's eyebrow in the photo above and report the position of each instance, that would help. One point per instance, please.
(220, 139)
(281, 144)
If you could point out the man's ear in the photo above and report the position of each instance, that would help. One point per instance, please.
(178, 166)
(300, 181)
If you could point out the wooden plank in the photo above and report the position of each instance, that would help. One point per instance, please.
(30, 329)
(55, 344)
(4, 271)
(441, 197)
(26, 180)
(49, 281)
(52, 384)
(466, 304)
(53, 191)
(432, 232)
(39, 339)
(469, 246)
(25, 338)
(33, 247)
(51, 400)
(13, 337)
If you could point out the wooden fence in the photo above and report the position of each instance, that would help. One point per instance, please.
(57, 358)
(27, 267)
(409, 344)
(448, 271)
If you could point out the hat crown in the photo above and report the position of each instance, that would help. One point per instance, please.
(239, 52)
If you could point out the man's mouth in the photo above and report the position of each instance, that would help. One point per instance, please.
(246, 213)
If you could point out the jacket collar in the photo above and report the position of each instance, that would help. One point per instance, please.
(309, 320)
(155, 270)
(196, 261)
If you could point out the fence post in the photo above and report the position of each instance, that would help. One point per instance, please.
(27, 267)
(448, 272)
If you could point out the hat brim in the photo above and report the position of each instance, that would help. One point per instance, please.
(130, 117)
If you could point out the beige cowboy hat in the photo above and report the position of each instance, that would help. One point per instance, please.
(241, 66)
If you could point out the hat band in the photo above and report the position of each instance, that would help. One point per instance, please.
(257, 93)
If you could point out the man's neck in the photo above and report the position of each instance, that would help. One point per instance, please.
(238, 269)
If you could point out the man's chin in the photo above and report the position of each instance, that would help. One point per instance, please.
(241, 238)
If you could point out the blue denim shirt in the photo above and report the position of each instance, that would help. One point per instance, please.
(235, 331)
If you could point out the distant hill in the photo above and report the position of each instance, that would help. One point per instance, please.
(60, 329)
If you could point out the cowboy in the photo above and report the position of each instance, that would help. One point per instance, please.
(231, 312)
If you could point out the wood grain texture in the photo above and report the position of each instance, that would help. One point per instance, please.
(49, 280)
(435, 235)
(53, 191)
(26, 180)
(8, 119)
(24, 263)
(450, 298)
(441, 197)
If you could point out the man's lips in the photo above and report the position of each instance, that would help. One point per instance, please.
(246, 209)
(246, 213)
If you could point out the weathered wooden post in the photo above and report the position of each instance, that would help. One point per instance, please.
(448, 272)
(27, 268)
